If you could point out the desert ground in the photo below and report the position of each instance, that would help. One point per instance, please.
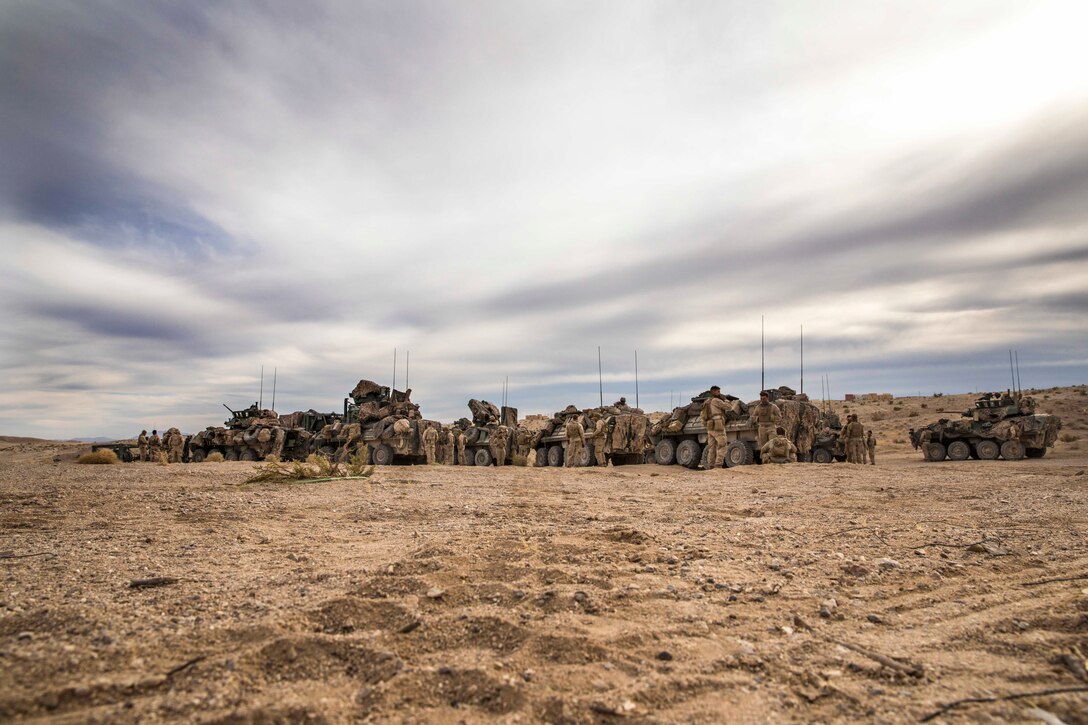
(799, 593)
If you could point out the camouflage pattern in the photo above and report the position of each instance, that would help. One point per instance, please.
(779, 449)
(500, 442)
(144, 446)
(999, 425)
(430, 440)
(576, 442)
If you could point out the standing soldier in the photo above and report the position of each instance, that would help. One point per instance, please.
(713, 416)
(924, 439)
(155, 443)
(600, 440)
(870, 445)
(767, 416)
(854, 432)
(459, 444)
(500, 440)
(430, 438)
(143, 444)
(779, 449)
(521, 438)
(174, 445)
(576, 442)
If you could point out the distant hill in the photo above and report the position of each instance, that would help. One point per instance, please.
(90, 440)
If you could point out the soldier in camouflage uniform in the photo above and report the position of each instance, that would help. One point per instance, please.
(500, 440)
(767, 416)
(155, 445)
(430, 438)
(714, 413)
(142, 443)
(459, 444)
(854, 435)
(601, 440)
(576, 442)
(779, 449)
(870, 446)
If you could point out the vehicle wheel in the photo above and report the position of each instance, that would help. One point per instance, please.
(935, 452)
(1012, 450)
(587, 457)
(987, 450)
(959, 450)
(541, 457)
(327, 451)
(822, 455)
(231, 454)
(555, 456)
(482, 457)
(383, 455)
(739, 454)
(703, 458)
(688, 453)
(1035, 452)
(247, 454)
(197, 456)
(665, 452)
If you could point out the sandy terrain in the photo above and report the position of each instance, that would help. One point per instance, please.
(639, 593)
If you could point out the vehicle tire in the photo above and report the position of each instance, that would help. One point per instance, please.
(555, 456)
(1035, 452)
(738, 454)
(935, 452)
(688, 453)
(988, 450)
(541, 457)
(383, 455)
(822, 455)
(230, 454)
(247, 454)
(1012, 450)
(665, 452)
(587, 457)
(959, 450)
(197, 456)
(482, 457)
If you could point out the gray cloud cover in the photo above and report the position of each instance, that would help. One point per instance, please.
(192, 190)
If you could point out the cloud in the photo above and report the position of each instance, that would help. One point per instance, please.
(196, 190)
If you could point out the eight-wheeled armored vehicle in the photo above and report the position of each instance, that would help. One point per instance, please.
(997, 426)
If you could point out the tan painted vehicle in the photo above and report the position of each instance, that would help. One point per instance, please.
(250, 434)
(681, 437)
(385, 423)
(627, 442)
(997, 426)
(478, 432)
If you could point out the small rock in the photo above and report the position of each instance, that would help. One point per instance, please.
(985, 547)
(363, 695)
(664, 655)
(774, 566)
(519, 594)
(445, 670)
(920, 552)
(627, 705)
(24, 636)
(580, 596)
(600, 685)
(410, 627)
(435, 593)
(887, 563)
(527, 675)
(875, 618)
(855, 570)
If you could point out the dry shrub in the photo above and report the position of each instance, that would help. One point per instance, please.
(900, 441)
(1068, 438)
(897, 408)
(163, 459)
(215, 457)
(519, 460)
(878, 415)
(925, 405)
(101, 456)
(316, 467)
(912, 414)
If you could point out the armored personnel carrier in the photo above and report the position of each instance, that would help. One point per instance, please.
(997, 426)
(627, 441)
(486, 417)
(681, 437)
(248, 435)
(386, 421)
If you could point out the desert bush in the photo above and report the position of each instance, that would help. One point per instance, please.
(1068, 438)
(519, 460)
(925, 405)
(101, 456)
(897, 408)
(912, 414)
(878, 415)
(899, 441)
(214, 457)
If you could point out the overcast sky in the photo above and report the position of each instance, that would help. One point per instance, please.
(191, 190)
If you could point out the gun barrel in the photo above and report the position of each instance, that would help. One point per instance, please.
(228, 408)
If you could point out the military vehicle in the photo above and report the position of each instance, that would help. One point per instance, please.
(486, 417)
(829, 445)
(681, 437)
(125, 452)
(248, 435)
(997, 426)
(386, 421)
(627, 441)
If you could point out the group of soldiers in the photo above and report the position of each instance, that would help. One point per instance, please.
(153, 448)
(772, 441)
